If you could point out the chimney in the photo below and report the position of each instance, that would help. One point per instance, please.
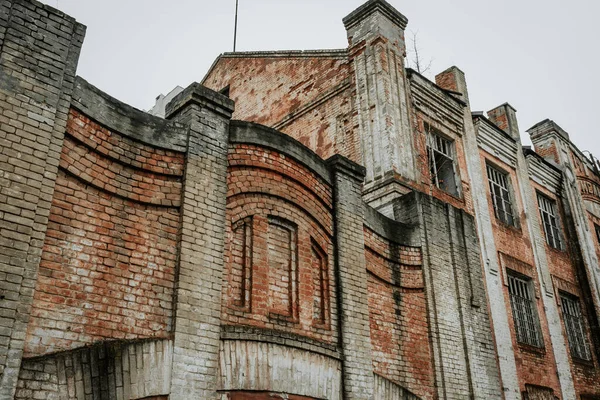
(546, 136)
(377, 51)
(453, 79)
(376, 18)
(505, 117)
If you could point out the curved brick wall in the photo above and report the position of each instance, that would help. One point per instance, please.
(106, 370)
(107, 268)
(398, 312)
(279, 280)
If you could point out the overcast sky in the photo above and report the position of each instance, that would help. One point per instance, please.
(541, 56)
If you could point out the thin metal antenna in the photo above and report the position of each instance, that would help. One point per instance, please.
(235, 26)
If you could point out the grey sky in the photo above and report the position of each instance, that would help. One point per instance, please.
(542, 56)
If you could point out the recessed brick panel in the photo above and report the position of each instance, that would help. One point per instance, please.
(283, 270)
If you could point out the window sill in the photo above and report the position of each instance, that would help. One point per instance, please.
(283, 319)
(438, 191)
(537, 351)
(583, 363)
(551, 249)
(515, 228)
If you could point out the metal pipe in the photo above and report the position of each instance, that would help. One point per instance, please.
(235, 26)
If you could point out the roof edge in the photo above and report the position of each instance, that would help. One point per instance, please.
(372, 6)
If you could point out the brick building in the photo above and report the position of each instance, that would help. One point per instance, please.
(301, 225)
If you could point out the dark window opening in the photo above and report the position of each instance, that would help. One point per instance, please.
(442, 165)
(498, 181)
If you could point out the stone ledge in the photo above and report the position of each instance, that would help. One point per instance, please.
(373, 6)
(126, 120)
(252, 133)
(237, 332)
(387, 228)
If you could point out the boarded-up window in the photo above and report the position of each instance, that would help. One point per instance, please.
(241, 264)
(575, 327)
(282, 257)
(538, 393)
(320, 286)
(522, 302)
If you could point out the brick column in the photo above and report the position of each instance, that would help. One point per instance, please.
(201, 258)
(376, 51)
(352, 278)
(39, 50)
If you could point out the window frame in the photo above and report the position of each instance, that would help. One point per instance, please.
(597, 229)
(579, 346)
(506, 216)
(443, 146)
(549, 207)
(526, 320)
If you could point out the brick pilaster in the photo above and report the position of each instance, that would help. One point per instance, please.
(39, 50)
(352, 278)
(201, 257)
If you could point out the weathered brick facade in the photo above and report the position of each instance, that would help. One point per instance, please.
(303, 225)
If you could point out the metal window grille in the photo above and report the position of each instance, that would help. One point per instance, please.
(441, 163)
(523, 309)
(500, 195)
(575, 327)
(549, 214)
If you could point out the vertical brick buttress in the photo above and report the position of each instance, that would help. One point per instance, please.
(202, 242)
(352, 279)
(36, 82)
(464, 357)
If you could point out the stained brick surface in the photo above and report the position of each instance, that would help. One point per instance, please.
(39, 49)
(149, 258)
(108, 265)
(398, 315)
(307, 96)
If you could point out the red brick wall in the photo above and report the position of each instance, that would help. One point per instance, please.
(398, 315)
(548, 150)
(566, 279)
(534, 366)
(464, 201)
(108, 261)
(276, 92)
(279, 254)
